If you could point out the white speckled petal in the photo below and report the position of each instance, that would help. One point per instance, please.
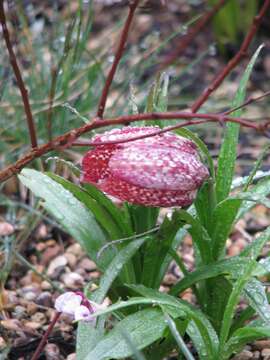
(158, 167)
(163, 170)
(67, 302)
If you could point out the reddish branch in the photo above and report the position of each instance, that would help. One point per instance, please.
(45, 337)
(234, 61)
(118, 55)
(17, 73)
(249, 101)
(191, 118)
(68, 138)
(192, 33)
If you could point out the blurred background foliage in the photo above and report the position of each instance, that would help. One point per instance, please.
(232, 22)
(66, 48)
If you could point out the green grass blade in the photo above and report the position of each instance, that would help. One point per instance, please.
(232, 303)
(143, 327)
(228, 152)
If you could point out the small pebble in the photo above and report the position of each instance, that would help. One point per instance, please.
(50, 253)
(42, 232)
(52, 352)
(32, 325)
(11, 324)
(44, 299)
(71, 356)
(262, 344)
(3, 344)
(187, 295)
(265, 354)
(59, 261)
(256, 355)
(169, 279)
(87, 264)
(73, 280)
(6, 229)
(234, 250)
(39, 317)
(71, 259)
(45, 285)
(95, 275)
(244, 355)
(31, 308)
(164, 289)
(41, 246)
(19, 312)
(75, 249)
(30, 296)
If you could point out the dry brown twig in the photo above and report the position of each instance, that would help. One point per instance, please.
(118, 55)
(68, 138)
(17, 73)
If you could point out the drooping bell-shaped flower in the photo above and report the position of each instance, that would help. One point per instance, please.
(77, 306)
(163, 170)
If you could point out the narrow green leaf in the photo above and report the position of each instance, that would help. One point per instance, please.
(263, 268)
(233, 267)
(222, 221)
(175, 307)
(256, 167)
(111, 273)
(232, 303)
(225, 214)
(201, 239)
(228, 152)
(116, 267)
(254, 249)
(137, 354)
(69, 212)
(262, 188)
(143, 327)
(74, 169)
(119, 216)
(256, 295)
(101, 214)
(156, 250)
(205, 204)
(143, 218)
(241, 337)
(201, 323)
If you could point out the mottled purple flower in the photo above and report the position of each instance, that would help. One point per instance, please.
(163, 170)
(76, 305)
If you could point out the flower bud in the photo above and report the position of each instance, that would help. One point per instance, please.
(77, 306)
(163, 170)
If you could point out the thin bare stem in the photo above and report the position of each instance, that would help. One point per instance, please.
(45, 337)
(17, 73)
(67, 139)
(192, 33)
(118, 55)
(249, 101)
(234, 61)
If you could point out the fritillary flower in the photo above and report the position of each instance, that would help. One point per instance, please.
(77, 306)
(163, 170)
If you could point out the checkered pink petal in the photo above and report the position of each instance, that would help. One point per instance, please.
(163, 170)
